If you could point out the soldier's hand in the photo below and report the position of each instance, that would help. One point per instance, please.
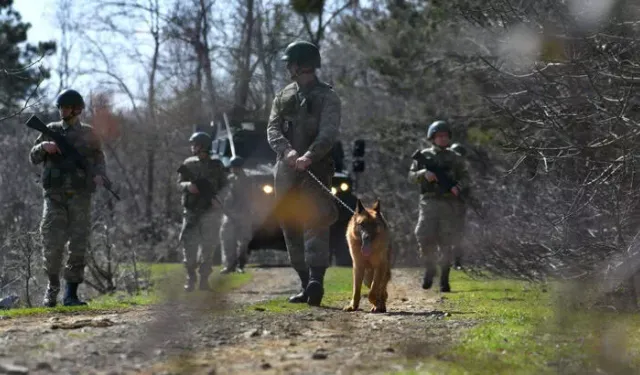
(302, 163)
(98, 180)
(50, 147)
(430, 176)
(193, 189)
(290, 157)
(455, 191)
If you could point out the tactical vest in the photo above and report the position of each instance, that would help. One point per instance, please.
(303, 110)
(61, 172)
(445, 164)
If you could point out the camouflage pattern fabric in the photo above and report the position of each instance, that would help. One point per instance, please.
(306, 119)
(201, 220)
(66, 217)
(440, 221)
(199, 237)
(210, 169)
(67, 194)
(60, 174)
(236, 229)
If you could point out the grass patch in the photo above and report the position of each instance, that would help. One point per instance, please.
(521, 331)
(165, 278)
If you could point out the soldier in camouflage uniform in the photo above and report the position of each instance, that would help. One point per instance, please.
(201, 217)
(67, 198)
(439, 222)
(458, 248)
(236, 230)
(303, 127)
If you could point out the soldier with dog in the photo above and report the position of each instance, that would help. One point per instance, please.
(303, 127)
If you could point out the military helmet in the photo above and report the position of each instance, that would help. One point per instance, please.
(69, 98)
(202, 139)
(236, 161)
(302, 52)
(438, 126)
(458, 148)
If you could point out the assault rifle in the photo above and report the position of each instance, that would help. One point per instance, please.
(68, 151)
(205, 188)
(444, 181)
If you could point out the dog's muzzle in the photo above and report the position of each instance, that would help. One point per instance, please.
(367, 248)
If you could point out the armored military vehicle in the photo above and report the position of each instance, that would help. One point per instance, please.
(249, 140)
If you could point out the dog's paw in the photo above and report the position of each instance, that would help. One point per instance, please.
(379, 309)
(350, 308)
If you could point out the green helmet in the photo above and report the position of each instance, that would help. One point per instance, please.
(69, 98)
(302, 52)
(202, 139)
(458, 148)
(438, 126)
(236, 161)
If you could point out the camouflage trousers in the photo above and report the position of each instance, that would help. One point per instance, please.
(235, 235)
(306, 213)
(439, 228)
(66, 217)
(199, 233)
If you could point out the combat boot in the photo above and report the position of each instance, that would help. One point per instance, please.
(190, 285)
(304, 281)
(429, 274)
(458, 263)
(315, 288)
(71, 295)
(444, 279)
(51, 294)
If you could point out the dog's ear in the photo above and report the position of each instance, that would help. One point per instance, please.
(376, 206)
(359, 207)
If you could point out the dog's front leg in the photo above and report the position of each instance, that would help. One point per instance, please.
(358, 275)
(377, 289)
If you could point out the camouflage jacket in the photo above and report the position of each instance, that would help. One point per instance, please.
(306, 119)
(61, 173)
(210, 169)
(453, 164)
(238, 196)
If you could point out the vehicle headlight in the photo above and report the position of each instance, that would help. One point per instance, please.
(344, 186)
(334, 191)
(268, 189)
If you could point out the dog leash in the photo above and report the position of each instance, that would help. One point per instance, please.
(330, 193)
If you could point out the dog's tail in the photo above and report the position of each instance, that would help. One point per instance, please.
(368, 277)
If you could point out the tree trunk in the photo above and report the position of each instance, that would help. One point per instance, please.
(152, 120)
(243, 78)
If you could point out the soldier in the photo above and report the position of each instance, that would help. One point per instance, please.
(201, 217)
(458, 249)
(67, 192)
(303, 127)
(236, 228)
(439, 221)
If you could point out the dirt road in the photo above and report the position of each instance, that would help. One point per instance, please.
(173, 338)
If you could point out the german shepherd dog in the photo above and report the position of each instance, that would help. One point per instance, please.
(370, 247)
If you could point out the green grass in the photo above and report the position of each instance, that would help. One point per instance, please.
(519, 331)
(167, 280)
(515, 328)
(337, 294)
